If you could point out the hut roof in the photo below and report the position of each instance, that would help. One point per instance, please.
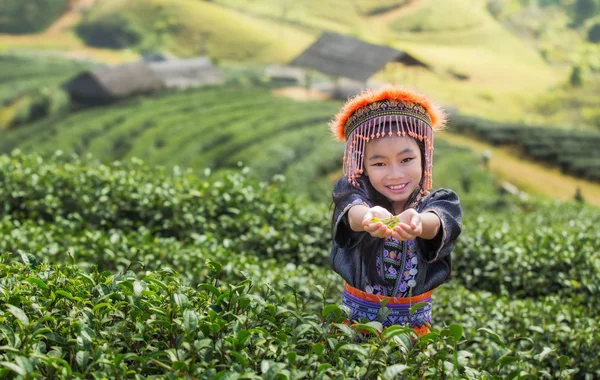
(181, 73)
(157, 56)
(348, 57)
(126, 79)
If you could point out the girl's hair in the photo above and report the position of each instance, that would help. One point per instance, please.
(369, 244)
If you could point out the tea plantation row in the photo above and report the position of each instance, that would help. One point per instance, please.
(575, 152)
(130, 271)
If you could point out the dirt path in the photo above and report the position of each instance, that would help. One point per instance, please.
(388, 17)
(73, 14)
(60, 40)
(531, 177)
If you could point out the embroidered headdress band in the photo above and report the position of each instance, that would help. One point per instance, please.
(385, 112)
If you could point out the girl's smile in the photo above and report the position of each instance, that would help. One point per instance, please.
(393, 166)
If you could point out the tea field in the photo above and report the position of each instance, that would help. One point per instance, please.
(124, 270)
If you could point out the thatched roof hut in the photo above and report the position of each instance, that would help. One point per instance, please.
(342, 56)
(106, 84)
(189, 72)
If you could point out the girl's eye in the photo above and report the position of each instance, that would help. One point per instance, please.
(407, 159)
(379, 164)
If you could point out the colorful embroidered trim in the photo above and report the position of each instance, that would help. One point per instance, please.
(365, 305)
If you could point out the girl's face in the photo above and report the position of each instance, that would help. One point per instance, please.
(393, 166)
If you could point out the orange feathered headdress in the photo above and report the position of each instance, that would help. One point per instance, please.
(383, 112)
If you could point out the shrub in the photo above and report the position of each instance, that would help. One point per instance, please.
(31, 16)
(114, 32)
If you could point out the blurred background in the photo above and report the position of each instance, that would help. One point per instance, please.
(248, 87)
(149, 78)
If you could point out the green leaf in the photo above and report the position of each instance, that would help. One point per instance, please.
(190, 320)
(19, 314)
(100, 306)
(28, 258)
(15, 368)
(240, 358)
(507, 360)
(66, 295)
(318, 348)
(227, 375)
(374, 328)
(331, 309)
(156, 282)
(395, 330)
(211, 288)
(394, 370)
(417, 306)
(37, 281)
(346, 330)
(563, 360)
(354, 348)
(544, 354)
(9, 334)
(82, 358)
(324, 367)
(493, 335)
(456, 331)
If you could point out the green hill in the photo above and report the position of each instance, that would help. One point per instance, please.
(492, 45)
(211, 128)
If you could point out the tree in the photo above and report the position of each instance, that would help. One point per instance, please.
(594, 33)
(584, 9)
(576, 78)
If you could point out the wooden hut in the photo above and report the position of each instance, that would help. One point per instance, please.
(111, 83)
(188, 72)
(341, 56)
(108, 84)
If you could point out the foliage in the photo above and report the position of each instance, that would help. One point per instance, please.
(31, 16)
(262, 218)
(60, 321)
(584, 9)
(115, 32)
(576, 78)
(574, 151)
(26, 73)
(251, 297)
(34, 105)
(594, 33)
(234, 124)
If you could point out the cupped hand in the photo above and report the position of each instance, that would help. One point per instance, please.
(410, 226)
(377, 229)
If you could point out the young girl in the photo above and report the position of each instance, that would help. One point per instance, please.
(388, 172)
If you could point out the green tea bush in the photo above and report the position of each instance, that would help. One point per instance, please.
(129, 195)
(57, 321)
(551, 249)
(110, 248)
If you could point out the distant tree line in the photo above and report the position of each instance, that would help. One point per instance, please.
(29, 16)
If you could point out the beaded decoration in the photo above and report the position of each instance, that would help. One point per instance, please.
(381, 113)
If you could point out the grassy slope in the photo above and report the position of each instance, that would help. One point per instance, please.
(231, 35)
(457, 35)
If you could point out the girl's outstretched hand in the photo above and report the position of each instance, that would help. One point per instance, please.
(377, 229)
(410, 226)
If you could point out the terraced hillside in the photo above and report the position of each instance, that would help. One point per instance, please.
(20, 73)
(213, 128)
